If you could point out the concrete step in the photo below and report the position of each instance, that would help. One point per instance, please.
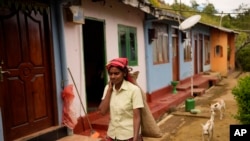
(198, 91)
(52, 133)
(183, 86)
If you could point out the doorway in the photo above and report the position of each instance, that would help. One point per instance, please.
(196, 48)
(27, 84)
(94, 61)
(201, 52)
(175, 54)
(198, 53)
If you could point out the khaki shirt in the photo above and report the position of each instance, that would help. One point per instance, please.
(122, 103)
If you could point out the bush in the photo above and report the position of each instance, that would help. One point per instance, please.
(244, 58)
(241, 93)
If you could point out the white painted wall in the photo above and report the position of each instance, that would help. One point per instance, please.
(113, 12)
(74, 54)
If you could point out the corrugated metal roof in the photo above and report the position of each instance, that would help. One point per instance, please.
(220, 28)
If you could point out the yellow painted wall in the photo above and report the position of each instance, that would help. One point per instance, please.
(219, 63)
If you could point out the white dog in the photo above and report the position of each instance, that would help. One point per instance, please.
(208, 128)
(219, 106)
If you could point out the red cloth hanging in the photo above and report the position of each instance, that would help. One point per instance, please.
(69, 119)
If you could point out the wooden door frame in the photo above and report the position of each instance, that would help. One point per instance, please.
(201, 59)
(175, 60)
(196, 56)
(201, 56)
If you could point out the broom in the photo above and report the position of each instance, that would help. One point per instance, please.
(93, 133)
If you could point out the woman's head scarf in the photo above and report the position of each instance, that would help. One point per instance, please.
(121, 63)
(118, 62)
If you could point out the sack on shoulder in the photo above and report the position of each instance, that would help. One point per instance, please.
(149, 127)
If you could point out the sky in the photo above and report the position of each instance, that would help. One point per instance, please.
(227, 6)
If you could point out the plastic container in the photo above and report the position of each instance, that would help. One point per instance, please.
(195, 111)
(189, 104)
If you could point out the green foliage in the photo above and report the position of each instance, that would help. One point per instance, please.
(194, 4)
(210, 15)
(155, 3)
(227, 22)
(244, 58)
(242, 21)
(207, 14)
(209, 9)
(241, 93)
(241, 38)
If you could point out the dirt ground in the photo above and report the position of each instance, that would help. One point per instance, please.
(184, 126)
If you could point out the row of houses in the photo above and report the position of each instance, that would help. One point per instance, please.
(42, 41)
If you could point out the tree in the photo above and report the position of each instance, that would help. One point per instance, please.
(210, 9)
(242, 23)
(194, 4)
(242, 52)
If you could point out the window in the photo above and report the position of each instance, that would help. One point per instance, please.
(160, 44)
(218, 51)
(187, 49)
(207, 49)
(128, 44)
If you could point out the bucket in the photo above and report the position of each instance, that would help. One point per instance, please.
(189, 104)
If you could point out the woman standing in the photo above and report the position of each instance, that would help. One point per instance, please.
(123, 100)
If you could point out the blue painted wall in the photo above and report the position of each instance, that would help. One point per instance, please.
(59, 55)
(204, 30)
(160, 76)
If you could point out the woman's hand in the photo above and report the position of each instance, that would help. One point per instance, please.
(110, 88)
(110, 84)
(104, 105)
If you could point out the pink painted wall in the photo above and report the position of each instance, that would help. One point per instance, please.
(111, 13)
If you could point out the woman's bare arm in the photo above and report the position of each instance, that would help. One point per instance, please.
(104, 105)
(137, 123)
